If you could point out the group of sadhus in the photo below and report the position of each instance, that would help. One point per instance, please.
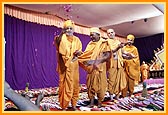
(111, 66)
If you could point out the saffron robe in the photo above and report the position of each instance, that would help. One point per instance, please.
(96, 77)
(68, 72)
(116, 74)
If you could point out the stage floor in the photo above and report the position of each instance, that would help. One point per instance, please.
(153, 102)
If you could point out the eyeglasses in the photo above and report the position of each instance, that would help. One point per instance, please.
(130, 40)
(94, 34)
(69, 28)
(110, 32)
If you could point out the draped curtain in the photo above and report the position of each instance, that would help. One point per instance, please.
(31, 57)
(147, 45)
(41, 18)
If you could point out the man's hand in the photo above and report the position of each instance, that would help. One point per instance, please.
(128, 56)
(121, 45)
(63, 31)
(77, 53)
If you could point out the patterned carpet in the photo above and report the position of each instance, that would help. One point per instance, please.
(153, 102)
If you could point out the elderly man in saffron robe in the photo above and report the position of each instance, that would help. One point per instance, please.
(96, 75)
(132, 66)
(67, 46)
(116, 74)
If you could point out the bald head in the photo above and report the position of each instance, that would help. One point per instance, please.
(111, 33)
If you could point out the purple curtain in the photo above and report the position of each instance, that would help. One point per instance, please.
(31, 57)
(147, 45)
